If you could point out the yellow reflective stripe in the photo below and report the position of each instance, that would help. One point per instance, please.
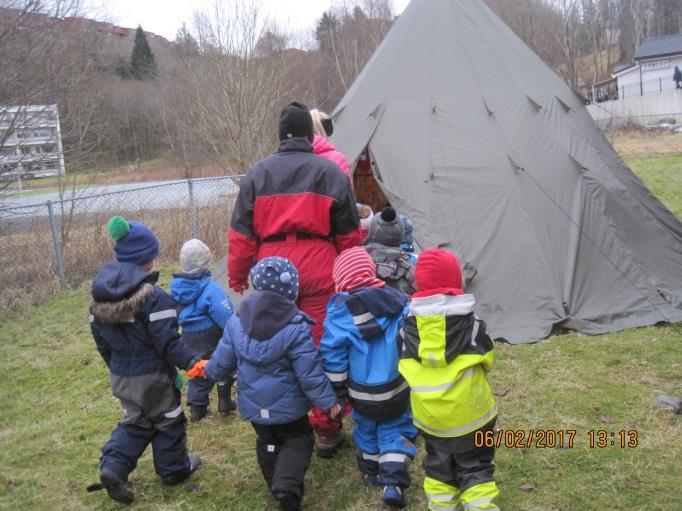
(443, 386)
(442, 497)
(431, 340)
(480, 497)
(435, 507)
(475, 503)
(462, 430)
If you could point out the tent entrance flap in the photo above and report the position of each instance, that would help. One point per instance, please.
(367, 190)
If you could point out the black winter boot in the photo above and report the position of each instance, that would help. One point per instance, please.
(289, 502)
(225, 402)
(116, 487)
(198, 412)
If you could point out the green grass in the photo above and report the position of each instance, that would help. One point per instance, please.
(663, 176)
(57, 410)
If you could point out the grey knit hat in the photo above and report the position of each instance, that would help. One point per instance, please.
(195, 256)
(386, 228)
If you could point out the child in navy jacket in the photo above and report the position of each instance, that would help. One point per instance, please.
(135, 328)
(360, 352)
(279, 376)
(204, 311)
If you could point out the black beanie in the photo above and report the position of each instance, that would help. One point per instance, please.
(295, 121)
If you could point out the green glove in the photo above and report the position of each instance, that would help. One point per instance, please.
(179, 380)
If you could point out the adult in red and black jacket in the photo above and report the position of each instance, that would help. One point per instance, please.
(297, 205)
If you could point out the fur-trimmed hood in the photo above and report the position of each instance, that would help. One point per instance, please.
(118, 291)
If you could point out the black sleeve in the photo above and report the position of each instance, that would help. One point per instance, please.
(102, 346)
(242, 212)
(162, 326)
(344, 211)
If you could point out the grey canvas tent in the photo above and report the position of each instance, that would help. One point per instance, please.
(495, 158)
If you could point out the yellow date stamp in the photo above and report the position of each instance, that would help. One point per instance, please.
(555, 438)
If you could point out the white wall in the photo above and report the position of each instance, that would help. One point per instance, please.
(641, 109)
(657, 75)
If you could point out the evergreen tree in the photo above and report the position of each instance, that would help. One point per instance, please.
(327, 31)
(185, 43)
(142, 63)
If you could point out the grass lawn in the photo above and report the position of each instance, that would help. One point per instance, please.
(663, 176)
(58, 411)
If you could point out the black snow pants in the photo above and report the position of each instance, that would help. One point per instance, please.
(284, 452)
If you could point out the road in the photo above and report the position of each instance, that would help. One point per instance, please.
(125, 197)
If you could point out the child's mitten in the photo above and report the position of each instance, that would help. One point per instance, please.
(179, 381)
(197, 370)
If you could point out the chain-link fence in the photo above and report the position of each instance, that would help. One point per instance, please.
(63, 242)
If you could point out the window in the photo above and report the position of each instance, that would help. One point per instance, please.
(655, 66)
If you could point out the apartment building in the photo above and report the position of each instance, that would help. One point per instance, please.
(30, 142)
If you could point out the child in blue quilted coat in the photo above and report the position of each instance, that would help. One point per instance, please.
(279, 376)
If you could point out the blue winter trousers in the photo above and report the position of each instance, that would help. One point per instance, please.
(169, 445)
(385, 448)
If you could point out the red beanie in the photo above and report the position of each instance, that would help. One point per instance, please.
(438, 272)
(353, 270)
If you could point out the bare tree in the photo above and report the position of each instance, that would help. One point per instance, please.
(38, 65)
(222, 104)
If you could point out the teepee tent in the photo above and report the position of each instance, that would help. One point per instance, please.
(493, 156)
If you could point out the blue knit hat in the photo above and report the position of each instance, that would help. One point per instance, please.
(135, 243)
(277, 275)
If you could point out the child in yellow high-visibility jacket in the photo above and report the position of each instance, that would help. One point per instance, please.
(445, 357)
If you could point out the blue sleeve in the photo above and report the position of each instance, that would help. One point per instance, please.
(162, 326)
(223, 362)
(335, 345)
(307, 366)
(220, 307)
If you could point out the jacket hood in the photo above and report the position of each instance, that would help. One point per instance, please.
(118, 290)
(117, 281)
(263, 314)
(373, 309)
(322, 145)
(186, 287)
(381, 301)
(460, 332)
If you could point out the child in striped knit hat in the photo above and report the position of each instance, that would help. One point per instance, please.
(360, 354)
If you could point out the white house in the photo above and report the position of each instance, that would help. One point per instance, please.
(653, 67)
(30, 141)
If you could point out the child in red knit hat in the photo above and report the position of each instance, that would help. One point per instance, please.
(445, 357)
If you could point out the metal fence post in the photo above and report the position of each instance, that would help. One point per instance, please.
(193, 209)
(55, 245)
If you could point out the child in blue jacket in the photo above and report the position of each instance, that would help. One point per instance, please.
(279, 376)
(204, 311)
(360, 352)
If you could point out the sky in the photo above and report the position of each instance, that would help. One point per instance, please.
(164, 17)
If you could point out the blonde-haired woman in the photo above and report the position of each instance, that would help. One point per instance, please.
(322, 146)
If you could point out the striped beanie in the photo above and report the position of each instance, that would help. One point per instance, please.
(353, 270)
